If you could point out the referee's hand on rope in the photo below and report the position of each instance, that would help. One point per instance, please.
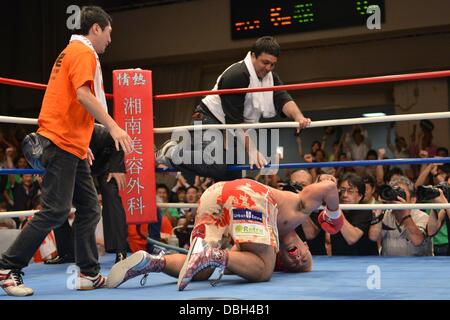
(302, 123)
(121, 139)
(257, 159)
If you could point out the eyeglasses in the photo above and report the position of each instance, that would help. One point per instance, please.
(349, 191)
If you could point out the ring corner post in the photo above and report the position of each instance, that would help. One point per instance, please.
(133, 111)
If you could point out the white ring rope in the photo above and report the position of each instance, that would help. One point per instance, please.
(394, 206)
(314, 124)
(349, 207)
(280, 125)
(5, 119)
(26, 213)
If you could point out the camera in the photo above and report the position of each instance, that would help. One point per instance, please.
(389, 193)
(426, 193)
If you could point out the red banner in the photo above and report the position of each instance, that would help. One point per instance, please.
(133, 111)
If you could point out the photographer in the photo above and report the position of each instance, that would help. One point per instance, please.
(187, 218)
(435, 225)
(353, 238)
(433, 172)
(402, 232)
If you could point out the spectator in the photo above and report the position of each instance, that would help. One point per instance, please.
(337, 150)
(181, 194)
(172, 214)
(192, 194)
(342, 170)
(310, 159)
(424, 141)
(316, 145)
(20, 163)
(369, 196)
(359, 144)
(202, 183)
(353, 238)
(433, 173)
(437, 229)
(181, 182)
(442, 152)
(187, 218)
(400, 150)
(393, 174)
(319, 155)
(369, 170)
(403, 232)
(302, 177)
(23, 194)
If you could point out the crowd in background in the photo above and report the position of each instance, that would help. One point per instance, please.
(402, 232)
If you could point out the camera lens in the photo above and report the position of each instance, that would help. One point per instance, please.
(387, 193)
(426, 193)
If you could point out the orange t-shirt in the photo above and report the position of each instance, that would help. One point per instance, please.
(63, 119)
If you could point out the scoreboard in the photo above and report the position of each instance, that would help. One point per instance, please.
(255, 18)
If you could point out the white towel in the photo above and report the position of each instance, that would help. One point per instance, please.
(98, 77)
(261, 101)
(256, 104)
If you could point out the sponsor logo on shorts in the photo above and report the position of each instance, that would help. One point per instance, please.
(247, 214)
(249, 230)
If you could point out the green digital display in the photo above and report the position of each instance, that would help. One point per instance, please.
(254, 18)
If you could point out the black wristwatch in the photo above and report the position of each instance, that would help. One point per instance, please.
(376, 220)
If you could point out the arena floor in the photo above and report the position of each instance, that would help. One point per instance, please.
(333, 278)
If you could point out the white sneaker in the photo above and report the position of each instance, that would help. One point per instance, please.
(89, 283)
(11, 281)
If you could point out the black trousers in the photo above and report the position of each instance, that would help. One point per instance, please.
(115, 229)
(216, 171)
(64, 237)
(67, 180)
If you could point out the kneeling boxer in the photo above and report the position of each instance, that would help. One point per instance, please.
(249, 217)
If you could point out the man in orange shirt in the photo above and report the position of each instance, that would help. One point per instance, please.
(74, 97)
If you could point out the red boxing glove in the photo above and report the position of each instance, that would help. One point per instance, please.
(332, 226)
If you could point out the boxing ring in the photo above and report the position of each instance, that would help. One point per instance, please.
(332, 278)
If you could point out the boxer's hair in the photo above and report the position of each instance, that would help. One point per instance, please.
(89, 16)
(266, 45)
